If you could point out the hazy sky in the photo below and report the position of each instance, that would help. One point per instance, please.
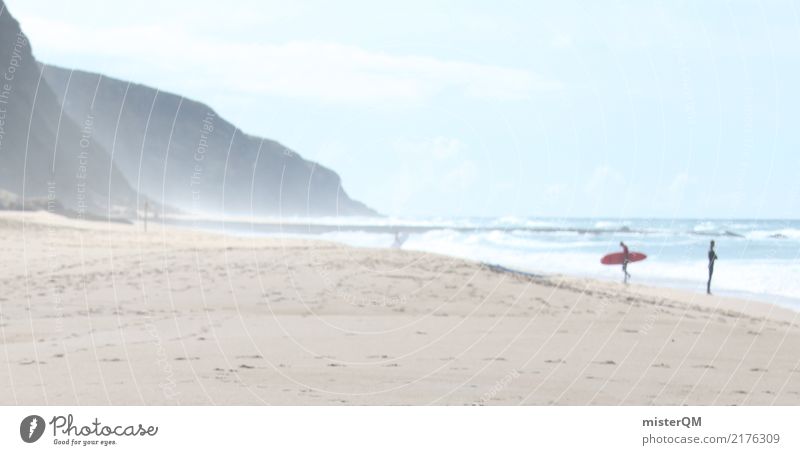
(613, 109)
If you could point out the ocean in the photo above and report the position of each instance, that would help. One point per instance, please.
(758, 259)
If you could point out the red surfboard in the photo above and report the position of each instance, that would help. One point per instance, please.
(616, 258)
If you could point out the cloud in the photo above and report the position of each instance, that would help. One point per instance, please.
(438, 148)
(461, 177)
(308, 70)
(602, 177)
(555, 191)
(427, 168)
(444, 148)
(562, 40)
(678, 184)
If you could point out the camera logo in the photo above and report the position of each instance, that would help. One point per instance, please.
(31, 428)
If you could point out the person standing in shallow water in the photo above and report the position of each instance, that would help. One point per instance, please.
(625, 262)
(712, 256)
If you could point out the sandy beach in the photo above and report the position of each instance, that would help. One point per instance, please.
(96, 313)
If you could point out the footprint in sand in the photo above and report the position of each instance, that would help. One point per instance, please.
(555, 361)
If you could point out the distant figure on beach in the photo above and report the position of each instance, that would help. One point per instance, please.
(712, 256)
(625, 261)
(399, 239)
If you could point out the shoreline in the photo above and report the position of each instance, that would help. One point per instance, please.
(316, 229)
(748, 307)
(738, 298)
(101, 313)
(786, 303)
(789, 303)
(295, 228)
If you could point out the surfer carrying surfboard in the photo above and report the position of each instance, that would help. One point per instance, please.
(623, 257)
(712, 257)
(625, 260)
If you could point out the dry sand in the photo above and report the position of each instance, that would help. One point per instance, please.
(96, 313)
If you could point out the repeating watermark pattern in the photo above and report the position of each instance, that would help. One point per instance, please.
(498, 387)
(196, 178)
(335, 291)
(52, 237)
(650, 321)
(85, 142)
(469, 301)
(168, 386)
(7, 84)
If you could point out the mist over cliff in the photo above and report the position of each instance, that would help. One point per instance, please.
(46, 155)
(182, 153)
(104, 146)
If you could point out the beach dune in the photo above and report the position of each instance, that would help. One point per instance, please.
(96, 313)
